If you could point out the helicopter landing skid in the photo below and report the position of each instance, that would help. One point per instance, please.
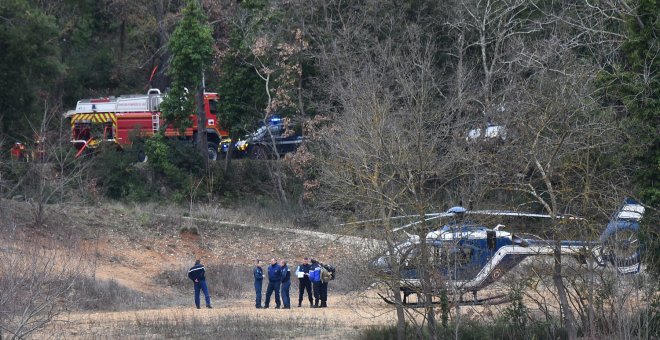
(493, 300)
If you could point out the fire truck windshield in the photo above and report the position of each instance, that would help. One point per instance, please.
(213, 106)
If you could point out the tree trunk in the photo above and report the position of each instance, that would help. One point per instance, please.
(202, 141)
(396, 293)
(228, 156)
(569, 320)
(426, 267)
(395, 280)
(163, 81)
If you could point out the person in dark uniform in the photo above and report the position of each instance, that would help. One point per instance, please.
(258, 281)
(323, 289)
(274, 281)
(196, 274)
(302, 273)
(316, 286)
(286, 284)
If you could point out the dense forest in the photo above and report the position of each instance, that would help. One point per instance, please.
(395, 99)
(487, 62)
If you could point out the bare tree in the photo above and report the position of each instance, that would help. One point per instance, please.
(53, 171)
(392, 147)
(34, 287)
(553, 152)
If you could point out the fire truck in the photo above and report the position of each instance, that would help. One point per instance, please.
(120, 119)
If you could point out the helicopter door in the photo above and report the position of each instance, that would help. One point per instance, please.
(491, 240)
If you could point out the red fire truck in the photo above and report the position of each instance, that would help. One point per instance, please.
(118, 119)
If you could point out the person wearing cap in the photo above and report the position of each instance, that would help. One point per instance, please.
(196, 274)
(302, 273)
(274, 281)
(258, 281)
(286, 284)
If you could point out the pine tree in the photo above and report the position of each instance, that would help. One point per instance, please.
(191, 46)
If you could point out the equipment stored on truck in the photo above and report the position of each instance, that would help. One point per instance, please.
(119, 119)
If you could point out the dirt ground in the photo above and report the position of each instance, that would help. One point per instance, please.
(135, 246)
(343, 319)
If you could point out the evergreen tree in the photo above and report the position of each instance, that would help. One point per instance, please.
(242, 97)
(636, 85)
(29, 65)
(191, 46)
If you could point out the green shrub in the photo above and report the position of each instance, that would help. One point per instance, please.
(189, 230)
(174, 162)
(175, 171)
(116, 173)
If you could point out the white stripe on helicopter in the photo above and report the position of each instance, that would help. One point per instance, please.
(499, 256)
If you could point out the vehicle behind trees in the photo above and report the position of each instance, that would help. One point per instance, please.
(275, 136)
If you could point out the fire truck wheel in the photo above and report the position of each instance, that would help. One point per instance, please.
(142, 156)
(258, 152)
(213, 151)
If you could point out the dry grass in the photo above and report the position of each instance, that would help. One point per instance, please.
(230, 319)
(227, 281)
(141, 258)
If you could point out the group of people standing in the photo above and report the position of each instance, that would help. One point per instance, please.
(313, 277)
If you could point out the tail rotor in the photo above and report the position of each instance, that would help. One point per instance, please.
(620, 244)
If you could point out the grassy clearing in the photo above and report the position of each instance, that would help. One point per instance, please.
(235, 281)
(229, 319)
(107, 295)
(225, 327)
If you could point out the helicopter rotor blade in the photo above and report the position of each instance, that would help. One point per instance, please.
(518, 214)
(425, 220)
(381, 219)
(453, 213)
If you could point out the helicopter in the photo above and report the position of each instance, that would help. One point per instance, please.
(470, 256)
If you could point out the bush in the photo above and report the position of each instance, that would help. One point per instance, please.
(171, 168)
(193, 230)
(175, 171)
(225, 281)
(119, 177)
(468, 330)
(107, 295)
(173, 161)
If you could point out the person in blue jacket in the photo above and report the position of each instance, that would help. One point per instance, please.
(315, 271)
(286, 284)
(274, 281)
(258, 280)
(196, 274)
(302, 273)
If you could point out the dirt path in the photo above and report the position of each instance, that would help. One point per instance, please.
(351, 241)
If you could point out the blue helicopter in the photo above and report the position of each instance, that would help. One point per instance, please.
(469, 256)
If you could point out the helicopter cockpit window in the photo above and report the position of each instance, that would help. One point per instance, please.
(408, 256)
(455, 254)
(412, 257)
